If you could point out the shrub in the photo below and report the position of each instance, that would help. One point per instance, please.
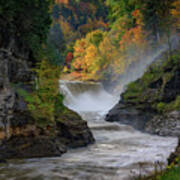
(161, 107)
(45, 101)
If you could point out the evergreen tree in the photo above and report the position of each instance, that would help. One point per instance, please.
(156, 16)
(27, 22)
(56, 37)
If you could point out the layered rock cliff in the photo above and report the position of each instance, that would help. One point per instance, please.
(20, 136)
(152, 104)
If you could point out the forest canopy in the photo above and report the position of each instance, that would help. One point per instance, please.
(126, 32)
(27, 22)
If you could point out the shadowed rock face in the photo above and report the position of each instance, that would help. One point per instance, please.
(172, 158)
(30, 141)
(150, 122)
(20, 137)
(129, 116)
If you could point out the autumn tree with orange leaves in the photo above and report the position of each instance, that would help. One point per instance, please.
(176, 12)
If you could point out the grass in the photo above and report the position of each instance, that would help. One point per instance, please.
(167, 107)
(172, 174)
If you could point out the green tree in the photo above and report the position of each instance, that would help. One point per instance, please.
(157, 16)
(56, 37)
(120, 8)
(26, 22)
(55, 12)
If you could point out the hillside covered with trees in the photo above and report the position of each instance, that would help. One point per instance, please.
(109, 36)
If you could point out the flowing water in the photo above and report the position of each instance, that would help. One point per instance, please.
(120, 152)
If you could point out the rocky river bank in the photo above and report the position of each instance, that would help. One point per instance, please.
(20, 135)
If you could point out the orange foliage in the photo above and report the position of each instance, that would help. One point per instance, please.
(134, 36)
(87, 61)
(176, 12)
(119, 47)
(61, 1)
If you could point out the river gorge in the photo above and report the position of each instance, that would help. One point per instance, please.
(119, 153)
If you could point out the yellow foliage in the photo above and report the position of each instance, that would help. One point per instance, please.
(87, 57)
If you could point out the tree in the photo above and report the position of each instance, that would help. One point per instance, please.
(26, 22)
(96, 38)
(45, 101)
(56, 12)
(156, 16)
(120, 8)
(69, 59)
(56, 37)
(176, 13)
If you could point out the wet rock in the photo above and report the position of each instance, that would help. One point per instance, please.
(161, 124)
(29, 141)
(30, 147)
(128, 115)
(174, 155)
(73, 130)
(165, 125)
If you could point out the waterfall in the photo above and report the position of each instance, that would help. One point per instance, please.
(137, 69)
(89, 99)
(86, 96)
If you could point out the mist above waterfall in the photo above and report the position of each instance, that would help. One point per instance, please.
(136, 69)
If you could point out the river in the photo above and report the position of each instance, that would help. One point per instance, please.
(120, 152)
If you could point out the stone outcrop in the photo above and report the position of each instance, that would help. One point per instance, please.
(174, 157)
(30, 141)
(128, 115)
(20, 136)
(165, 125)
(151, 104)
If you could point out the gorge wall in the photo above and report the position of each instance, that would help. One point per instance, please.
(20, 135)
(151, 103)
